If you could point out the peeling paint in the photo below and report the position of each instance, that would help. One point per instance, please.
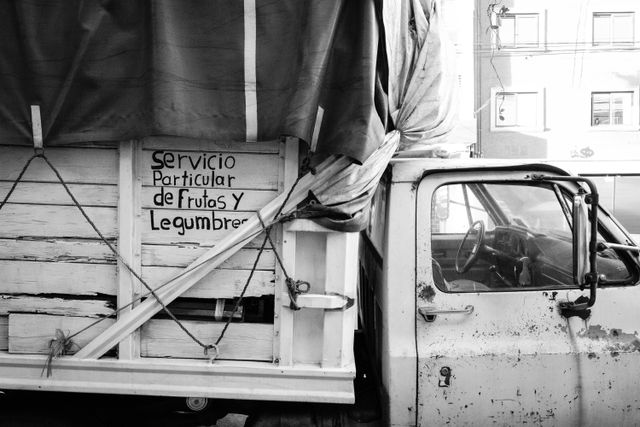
(426, 292)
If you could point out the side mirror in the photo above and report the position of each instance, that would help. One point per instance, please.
(585, 234)
(581, 240)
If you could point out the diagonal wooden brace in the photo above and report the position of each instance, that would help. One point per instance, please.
(130, 321)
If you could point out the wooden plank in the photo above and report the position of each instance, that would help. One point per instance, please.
(325, 173)
(172, 226)
(129, 212)
(205, 145)
(52, 221)
(245, 341)
(55, 306)
(199, 198)
(54, 194)
(56, 250)
(76, 165)
(217, 283)
(27, 277)
(249, 171)
(31, 333)
(19, 142)
(341, 277)
(283, 322)
(4, 333)
(183, 255)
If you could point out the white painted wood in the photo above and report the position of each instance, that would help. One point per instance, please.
(4, 333)
(30, 277)
(31, 333)
(36, 126)
(56, 250)
(219, 311)
(173, 143)
(55, 306)
(283, 323)
(227, 247)
(226, 199)
(203, 224)
(311, 250)
(306, 225)
(129, 240)
(341, 277)
(181, 377)
(54, 194)
(245, 341)
(250, 78)
(76, 165)
(51, 221)
(217, 283)
(251, 171)
(183, 255)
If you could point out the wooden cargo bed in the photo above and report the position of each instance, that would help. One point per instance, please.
(163, 202)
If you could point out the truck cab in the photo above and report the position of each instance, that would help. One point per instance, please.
(466, 272)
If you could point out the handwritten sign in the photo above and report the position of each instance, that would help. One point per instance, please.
(195, 181)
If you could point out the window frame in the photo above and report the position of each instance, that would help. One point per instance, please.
(516, 18)
(633, 113)
(607, 226)
(540, 109)
(611, 40)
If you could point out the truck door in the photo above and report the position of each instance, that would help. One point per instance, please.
(494, 258)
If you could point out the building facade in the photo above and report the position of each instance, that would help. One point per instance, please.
(557, 79)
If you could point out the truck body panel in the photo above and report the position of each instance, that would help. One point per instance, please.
(164, 204)
(512, 358)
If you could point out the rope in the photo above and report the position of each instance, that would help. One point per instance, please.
(62, 343)
(206, 347)
(267, 237)
(15, 183)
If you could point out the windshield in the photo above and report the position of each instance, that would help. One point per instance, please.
(499, 236)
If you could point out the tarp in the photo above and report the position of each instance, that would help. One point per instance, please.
(346, 76)
(422, 99)
(121, 69)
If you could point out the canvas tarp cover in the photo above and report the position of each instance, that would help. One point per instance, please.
(114, 70)
(330, 71)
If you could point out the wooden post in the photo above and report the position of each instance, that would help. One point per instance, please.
(341, 277)
(129, 240)
(36, 127)
(284, 319)
(199, 268)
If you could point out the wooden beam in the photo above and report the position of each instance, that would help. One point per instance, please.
(341, 277)
(283, 323)
(246, 341)
(129, 240)
(31, 333)
(203, 265)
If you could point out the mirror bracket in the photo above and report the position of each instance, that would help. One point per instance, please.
(580, 307)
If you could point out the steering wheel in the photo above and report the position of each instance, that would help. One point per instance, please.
(478, 227)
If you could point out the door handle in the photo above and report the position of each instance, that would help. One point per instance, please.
(429, 313)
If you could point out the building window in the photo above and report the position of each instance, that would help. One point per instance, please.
(519, 30)
(613, 28)
(612, 108)
(516, 110)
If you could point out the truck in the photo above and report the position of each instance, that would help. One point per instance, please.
(467, 280)
(171, 247)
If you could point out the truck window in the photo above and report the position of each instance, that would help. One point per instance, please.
(507, 236)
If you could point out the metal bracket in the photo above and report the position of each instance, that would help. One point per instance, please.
(329, 302)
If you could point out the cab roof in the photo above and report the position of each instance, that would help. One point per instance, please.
(414, 169)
